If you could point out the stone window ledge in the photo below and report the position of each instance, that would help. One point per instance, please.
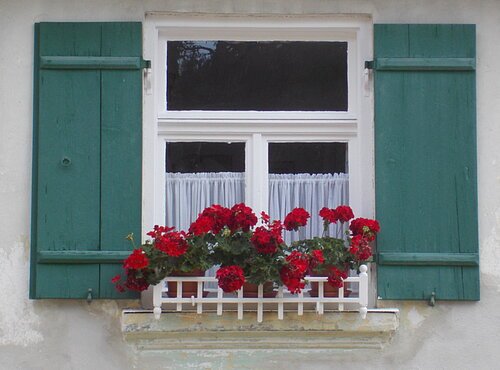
(188, 330)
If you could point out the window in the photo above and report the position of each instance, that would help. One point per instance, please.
(426, 156)
(256, 106)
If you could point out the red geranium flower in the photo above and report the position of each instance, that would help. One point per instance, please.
(336, 277)
(366, 227)
(267, 239)
(328, 215)
(315, 258)
(202, 225)
(231, 278)
(296, 218)
(158, 231)
(116, 279)
(265, 217)
(242, 217)
(219, 216)
(173, 243)
(137, 260)
(133, 283)
(344, 213)
(292, 274)
(360, 248)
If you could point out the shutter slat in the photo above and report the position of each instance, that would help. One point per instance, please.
(425, 64)
(58, 62)
(426, 259)
(115, 257)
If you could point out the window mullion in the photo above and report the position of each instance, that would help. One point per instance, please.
(256, 173)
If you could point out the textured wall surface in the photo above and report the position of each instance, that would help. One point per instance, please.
(75, 335)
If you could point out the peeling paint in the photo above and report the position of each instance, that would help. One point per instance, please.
(490, 252)
(415, 318)
(18, 321)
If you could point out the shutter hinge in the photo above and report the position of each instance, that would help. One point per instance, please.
(366, 77)
(146, 64)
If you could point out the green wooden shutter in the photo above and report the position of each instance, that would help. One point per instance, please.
(87, 156)
(425, 139)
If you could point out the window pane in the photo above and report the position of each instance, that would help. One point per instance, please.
(199, 174)
(251, 75)
(188, 157)
(307, 157)
(307, 175)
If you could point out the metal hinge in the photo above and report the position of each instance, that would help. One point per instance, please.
(145, 63)
(366, 77)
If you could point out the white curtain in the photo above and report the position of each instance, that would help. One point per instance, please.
(187, 194)
(311, 192)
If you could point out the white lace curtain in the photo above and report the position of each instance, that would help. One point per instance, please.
(187, 194)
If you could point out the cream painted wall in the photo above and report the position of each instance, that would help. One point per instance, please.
(74, 335)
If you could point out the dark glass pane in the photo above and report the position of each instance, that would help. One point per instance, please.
(310, 158)
(191, 157)
(264, 76)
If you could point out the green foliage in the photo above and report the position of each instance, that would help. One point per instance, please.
(237, 249)
(334, 251)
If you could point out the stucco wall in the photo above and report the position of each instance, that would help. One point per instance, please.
(75, 335)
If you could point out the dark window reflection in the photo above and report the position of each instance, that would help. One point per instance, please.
(274, 75)
(191, 157)
(310, 158)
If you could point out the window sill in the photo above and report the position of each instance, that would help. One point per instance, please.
(188, 330)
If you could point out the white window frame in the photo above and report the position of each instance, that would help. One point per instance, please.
(256, 129)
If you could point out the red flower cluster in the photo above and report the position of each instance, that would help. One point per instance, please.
(265, 217)
(214, 219)
(360, 248)
(296, 218)
(230, 278)
(366, 227)
(242, 217)
(336, 277)
(292, 274)
(341, 213)
(133, 282)
(328, 215)
(344, 213)
(267, 239)
(202, 225)
(136, 261)
(315, 258)
(168, 241)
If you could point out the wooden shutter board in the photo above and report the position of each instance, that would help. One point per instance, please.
(82, 41)
(57, 225)
(426, 206)
(121, 149)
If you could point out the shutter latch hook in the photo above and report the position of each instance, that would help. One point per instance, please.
(89, 296)
(432, 300)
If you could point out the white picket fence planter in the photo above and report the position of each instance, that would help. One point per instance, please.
(283, 297)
